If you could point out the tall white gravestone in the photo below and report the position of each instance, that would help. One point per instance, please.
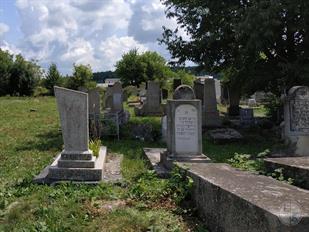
(76, 162)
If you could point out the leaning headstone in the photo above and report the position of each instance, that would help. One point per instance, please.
(176, 83)
(152, 104)
(246, 116)
(296, 119)
(206, 92)
(76, 162)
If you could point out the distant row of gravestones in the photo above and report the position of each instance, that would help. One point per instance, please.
(186, 113)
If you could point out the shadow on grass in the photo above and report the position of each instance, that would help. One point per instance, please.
(43, 142)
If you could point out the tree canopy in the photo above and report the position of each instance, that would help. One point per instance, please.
(257, 45)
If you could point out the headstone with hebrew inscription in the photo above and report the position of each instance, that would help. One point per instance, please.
(296, 118)
(184, 123)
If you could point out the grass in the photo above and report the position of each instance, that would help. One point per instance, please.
(29, 140)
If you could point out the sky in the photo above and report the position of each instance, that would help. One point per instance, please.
(95, 32)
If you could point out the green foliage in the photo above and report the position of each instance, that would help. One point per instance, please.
(40, 91)
(82, 77)
(18, 76)
(134, 68)
(94, 146)
(53, 78)
(257, 45)
(247, 162)
(274, 107)
(278, 175)
(148, 187)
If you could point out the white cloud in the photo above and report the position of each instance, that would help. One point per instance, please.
(114, 47)
(5, 46)
(3, 29)
(95, 32)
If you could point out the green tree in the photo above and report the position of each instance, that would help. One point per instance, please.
(134, 68)
(213, 39)
(131, 69)
(82, 77)
(6, 63)
(53, 78)
(25, 76)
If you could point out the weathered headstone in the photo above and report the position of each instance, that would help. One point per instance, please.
(206, 92)
(184, 92)
(76, 162)
(114, 97)
(296, 119)
(252, 102)
(152, 103)
(246, 116)
(94, 112)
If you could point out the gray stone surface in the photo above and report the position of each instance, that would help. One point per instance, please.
(54, 173)
(73, 110)
(224, 135)
(296, 119)
(296, 168)
(164, 128)
(184, 92)
(184, 127)
(152, 104)
(238, 201)
(94, 102)
(112, 168)
(205, 91)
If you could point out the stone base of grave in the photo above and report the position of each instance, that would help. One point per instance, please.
(162, 163)
(224, 135)
(90, 171)
(233, 200)
(296, 168)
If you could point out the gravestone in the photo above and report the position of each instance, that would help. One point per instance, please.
(152, 104)
(114, 98)
(164, 128)
(76, 162)
(296, 119)
(176, 83)
(94, 112)
(184, 124)
(246, 116)
(164, 93)
(206, 92)
(184, 92)
(252, 102)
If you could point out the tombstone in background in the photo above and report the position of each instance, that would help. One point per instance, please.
(94, 112)
(296, 119)
(184, 92)
(246, 117)
(76, 162)
(114, 97)
(164, 128)
(206, 92)
(218, 88)
(164, 93)
(152, 104)
(252, 102)
(176, 83)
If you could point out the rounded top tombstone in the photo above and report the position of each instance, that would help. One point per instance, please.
(299, 92)
(184, 92)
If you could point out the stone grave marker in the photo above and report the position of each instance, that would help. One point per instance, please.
(296, 119)
(152, 104)
(246, 116)
(184, 92)
(205, 91)
(94, 112)
(76, 162)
